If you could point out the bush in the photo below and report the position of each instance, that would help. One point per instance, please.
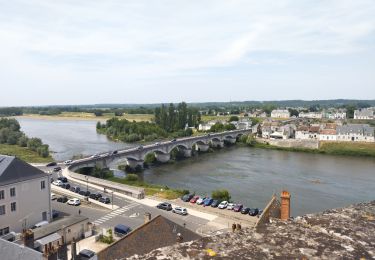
(221, 195)
(233, 118)
(22, 141)
(131, 177)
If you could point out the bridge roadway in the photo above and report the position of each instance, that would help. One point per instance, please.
(135, 156)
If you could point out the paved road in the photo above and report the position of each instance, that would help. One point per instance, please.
(129, 213)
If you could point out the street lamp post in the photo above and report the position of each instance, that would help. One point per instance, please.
(112, 200)
(87, 183)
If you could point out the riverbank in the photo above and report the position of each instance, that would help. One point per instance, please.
(23, 153)
(332, 148)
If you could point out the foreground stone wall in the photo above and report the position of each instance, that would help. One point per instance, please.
(272, 210)
(293, 143)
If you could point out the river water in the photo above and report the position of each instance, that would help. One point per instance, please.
(316, 181)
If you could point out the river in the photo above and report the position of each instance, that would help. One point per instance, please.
(316, 181)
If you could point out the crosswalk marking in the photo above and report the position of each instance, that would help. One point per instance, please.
(114, 213)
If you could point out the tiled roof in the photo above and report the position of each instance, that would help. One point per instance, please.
(13, 170)
(328, 132)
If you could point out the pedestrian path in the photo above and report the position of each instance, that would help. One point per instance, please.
(115, 213)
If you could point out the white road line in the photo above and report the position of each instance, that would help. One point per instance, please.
(114, 213)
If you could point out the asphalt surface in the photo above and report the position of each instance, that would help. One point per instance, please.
(129, 213)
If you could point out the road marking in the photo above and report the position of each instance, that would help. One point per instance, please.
(114, 213)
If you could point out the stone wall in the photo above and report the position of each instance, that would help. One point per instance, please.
(293, 143)
(272, 210)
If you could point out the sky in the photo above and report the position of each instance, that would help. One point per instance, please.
(146, 51)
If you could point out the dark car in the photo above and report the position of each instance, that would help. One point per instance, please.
(245, 210)
(82, 192)
(164, 205)
(55, 213)
(52, 180)
(86, 254)
(207, 202)
(66, 186)
(253, 212)
(215, 203)
(56, 169)
(115, 152)
(187, 197)
(95, 196)
(238, 208)
(63, 199)
(63, 179)
(122, 230)
(75, 189)
(104, 200)
(87, 193)
(51, 164)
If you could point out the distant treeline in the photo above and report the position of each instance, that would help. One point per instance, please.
(11, 134)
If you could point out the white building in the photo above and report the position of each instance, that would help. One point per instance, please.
(335, 115)
(308, 133)
(364, 114)
(315, 115)
(355, 133)
(327, 135)
(25, 195)
(278, 113)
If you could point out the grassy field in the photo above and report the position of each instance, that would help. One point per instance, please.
(23, 153)
(152, 189)
(334, 148)
(89, 116)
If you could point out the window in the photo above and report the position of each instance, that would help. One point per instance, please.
(1, 194)
(44, 215)
(4, 231)
(2, 210)
(42, 185)
(12, 192)
(13, 206)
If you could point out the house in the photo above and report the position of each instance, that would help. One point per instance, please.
(335, 115)
(313, 115)
(327, 135)
(284, 132)
(24, 195)
(364, 114)
(278, 113)
(308, 132)
(155, 233)
(355, 133)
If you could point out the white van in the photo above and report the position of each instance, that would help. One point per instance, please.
(40, 224)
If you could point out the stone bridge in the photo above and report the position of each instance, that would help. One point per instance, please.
(135, 156)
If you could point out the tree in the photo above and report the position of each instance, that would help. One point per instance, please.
(221, 194)
(34, 143)
(234, 118)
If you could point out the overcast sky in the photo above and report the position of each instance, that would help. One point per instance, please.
(144, 51)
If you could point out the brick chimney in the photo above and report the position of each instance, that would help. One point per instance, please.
(285, 205)
(147, 217)
(28, 238)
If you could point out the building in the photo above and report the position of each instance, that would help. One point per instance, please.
(338, 115)
(308, 132)
(364, 114)
(355, 133)
(327, 135)
(24, 195)
(278, 113)
(313, 115)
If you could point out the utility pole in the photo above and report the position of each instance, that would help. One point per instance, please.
(112, 200)
(87, 184)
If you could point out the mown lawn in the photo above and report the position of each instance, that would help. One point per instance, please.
(23, 153)
(348, 148)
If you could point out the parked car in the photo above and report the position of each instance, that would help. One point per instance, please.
(140, 147)
(215, 203)
(173, 140)
(62, 199)
(95, 156)
(200, 200)
(121, 230)
(68, 162)
(57, 183)
(55, 213)
(157, 143)
(75, 189)
(194, 199)
(260, 212)
(237, 208)
(40, 224)
(53, 196)
(180, 210)
(86, 254)
(82, 192)
(51, 164)
(104, 200)
(223, 204)
(57, 169)
(74, 202)
(253, 212)
(63, 179)
(231, 206)
(65, 186)
(165, 206)
(245, 210)
(187, 197)
(95, 196)
(207, 202)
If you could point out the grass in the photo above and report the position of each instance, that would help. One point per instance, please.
(152, 189)
(90, 116)
(23, 153)
(334, 148)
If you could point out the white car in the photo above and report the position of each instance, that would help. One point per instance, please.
(230, 206)
(180, 210)
(223, 205)
(95, 156)
(57, 183)
(53, 196)
(200, 201)
(74, 202)
(68, 162)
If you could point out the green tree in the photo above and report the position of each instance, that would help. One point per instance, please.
(234, 118)
(221, 194)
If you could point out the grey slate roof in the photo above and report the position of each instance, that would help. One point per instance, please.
(10, 250)
(13, 170)
(356, 129)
